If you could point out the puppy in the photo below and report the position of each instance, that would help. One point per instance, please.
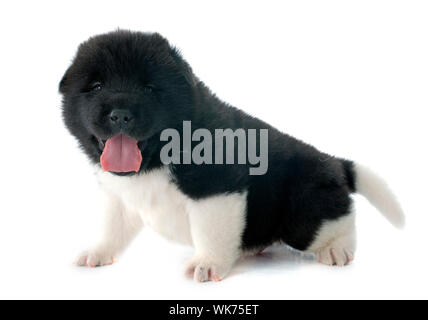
(151, 127)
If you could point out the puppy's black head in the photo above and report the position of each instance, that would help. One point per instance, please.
(125, 84)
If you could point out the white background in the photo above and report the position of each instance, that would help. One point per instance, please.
(349, 77)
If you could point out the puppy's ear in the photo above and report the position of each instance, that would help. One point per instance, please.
(64, 81)
(183, 66)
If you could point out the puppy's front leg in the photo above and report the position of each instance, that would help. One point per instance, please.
(217, 224)
(121, 226)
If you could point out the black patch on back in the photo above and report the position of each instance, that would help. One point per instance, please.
(349, 168)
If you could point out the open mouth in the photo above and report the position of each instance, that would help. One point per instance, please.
(120, 154)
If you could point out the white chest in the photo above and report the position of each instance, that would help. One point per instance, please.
(155, 198)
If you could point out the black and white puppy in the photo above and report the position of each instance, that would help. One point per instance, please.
(124, 89)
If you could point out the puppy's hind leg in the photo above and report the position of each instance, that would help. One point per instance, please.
(335, 242)
(121, 226)
(217, 224)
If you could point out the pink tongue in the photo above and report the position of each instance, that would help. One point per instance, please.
(121, 154)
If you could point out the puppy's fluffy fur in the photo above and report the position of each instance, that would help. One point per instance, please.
(303, 200)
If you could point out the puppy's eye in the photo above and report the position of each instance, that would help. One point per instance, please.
(96, 86)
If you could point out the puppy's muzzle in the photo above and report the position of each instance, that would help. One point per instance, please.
(121, 119)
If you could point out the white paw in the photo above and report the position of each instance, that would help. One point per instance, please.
(93, 259)
(202, 270)
(335, 256)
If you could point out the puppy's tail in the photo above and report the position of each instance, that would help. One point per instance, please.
(364, 181)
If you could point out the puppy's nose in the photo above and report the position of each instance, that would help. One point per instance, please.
(121, 117)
